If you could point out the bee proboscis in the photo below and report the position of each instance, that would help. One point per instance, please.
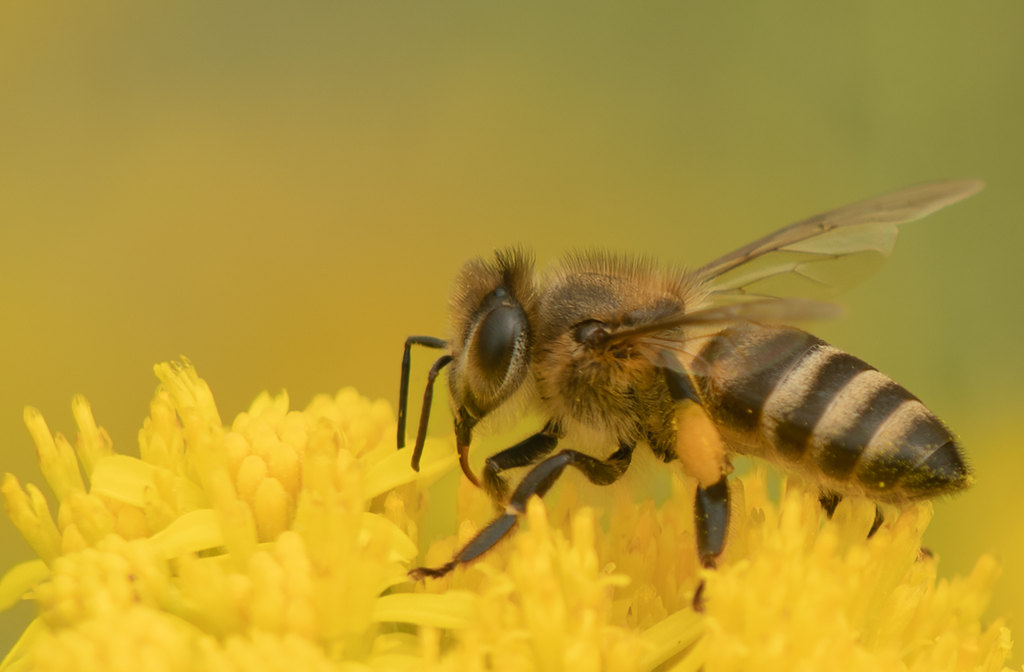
(627, 350)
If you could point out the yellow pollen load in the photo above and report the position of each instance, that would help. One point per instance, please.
(283, 542)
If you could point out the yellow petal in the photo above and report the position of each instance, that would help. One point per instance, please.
(670, 636)
(193, 532)
(123, 478)
(395, 470)
(454, 609)
(17, 658)
(19, 580)
(402, 547)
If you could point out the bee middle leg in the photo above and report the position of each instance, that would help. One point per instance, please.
(523, 454)
(537, 482)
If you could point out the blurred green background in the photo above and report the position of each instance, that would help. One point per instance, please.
(284, 191)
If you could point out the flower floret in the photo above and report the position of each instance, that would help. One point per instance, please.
(283, 541)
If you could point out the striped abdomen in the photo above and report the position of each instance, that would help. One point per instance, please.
(787, 396)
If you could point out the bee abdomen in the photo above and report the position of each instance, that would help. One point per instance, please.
(856, 424)
(817, 407)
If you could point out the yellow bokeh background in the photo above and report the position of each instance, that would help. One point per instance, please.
(282, 192)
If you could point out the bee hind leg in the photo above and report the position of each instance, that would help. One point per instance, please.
(711, 521)
(711, 516)
(830, 500)
(537, 482)
(879, 519)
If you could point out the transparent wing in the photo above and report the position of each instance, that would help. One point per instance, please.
(664, 345)
(761, 311)
(820, 256)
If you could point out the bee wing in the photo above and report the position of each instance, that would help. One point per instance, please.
(762, 311)
(820, 256)
(759, 311)
(665, 346)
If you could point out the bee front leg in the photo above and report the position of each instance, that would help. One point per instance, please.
(537, 482)
(403, 389)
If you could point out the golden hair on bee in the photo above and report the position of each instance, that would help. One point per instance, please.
(622, 353)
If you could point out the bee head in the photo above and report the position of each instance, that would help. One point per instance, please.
(491, 342)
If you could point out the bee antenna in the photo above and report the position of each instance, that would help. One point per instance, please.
(428, 398)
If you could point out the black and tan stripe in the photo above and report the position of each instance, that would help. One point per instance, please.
(741, 368)
(828, 410)
(801, 400)
(913, 454)
(853, 418)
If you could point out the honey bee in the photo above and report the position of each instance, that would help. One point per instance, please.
(634, 353)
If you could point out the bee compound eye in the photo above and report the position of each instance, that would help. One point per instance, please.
(495, 341)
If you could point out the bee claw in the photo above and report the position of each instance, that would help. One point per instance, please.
(464, 463)
(421, 573)
(698, 598)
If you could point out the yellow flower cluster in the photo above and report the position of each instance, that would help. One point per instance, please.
(282, 542)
